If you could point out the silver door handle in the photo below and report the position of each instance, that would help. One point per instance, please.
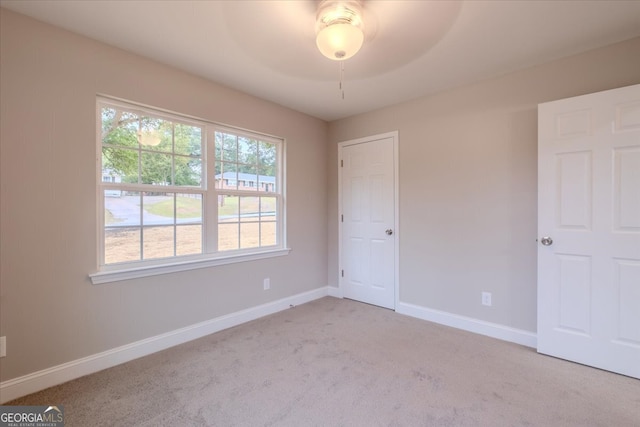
(546, 241)
(389, 232)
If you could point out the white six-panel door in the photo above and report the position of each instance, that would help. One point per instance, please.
(368, 227)
(589, 229)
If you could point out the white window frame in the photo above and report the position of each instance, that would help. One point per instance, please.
(210, 255)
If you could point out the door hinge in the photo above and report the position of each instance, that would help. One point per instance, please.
(342, 273)
(341, 163)
(341, 218)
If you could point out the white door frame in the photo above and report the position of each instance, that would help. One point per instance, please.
(396, 209)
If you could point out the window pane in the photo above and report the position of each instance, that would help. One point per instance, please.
(228, 208)
(121, 244)
(247, 178)
(121, 208)
(228, 178)
(188, 140)
(156, 169)
(219, 143)
(268, 234)
(247, 151)
(119, 127)
(268, 208)
(158, 242)
(158, 208)
(249, 235)
(122, 226)
(121, 164)
(249, 208)
(218, 175)
(228, 237)
(107, 116)
(266, 179)
(267, 155)
(156, 134)
(188, 171)
(189, 208)
(230, 148)
(188, 239)
(189, 211)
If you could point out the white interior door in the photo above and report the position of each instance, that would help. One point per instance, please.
(589, 229)
(368, 220)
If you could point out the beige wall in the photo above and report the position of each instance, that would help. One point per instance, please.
(49, 310)
(468, 183)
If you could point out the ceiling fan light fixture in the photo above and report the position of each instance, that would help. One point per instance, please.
(339, 33)
(340, 41)
(149, 138)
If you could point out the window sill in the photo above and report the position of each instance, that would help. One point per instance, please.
(154, 270)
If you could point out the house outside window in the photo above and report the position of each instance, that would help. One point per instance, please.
(174, 188)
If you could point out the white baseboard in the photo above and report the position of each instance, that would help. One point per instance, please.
(36, 381)
(493, 330)
(334, 291)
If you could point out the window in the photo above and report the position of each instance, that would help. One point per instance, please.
(174, 189)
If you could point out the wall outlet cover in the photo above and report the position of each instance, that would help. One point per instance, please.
(486, 298)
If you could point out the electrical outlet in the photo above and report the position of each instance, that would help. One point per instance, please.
(486, 298)
(266, 284)
(3, 346)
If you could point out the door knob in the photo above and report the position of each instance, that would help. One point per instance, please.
(546, 241)
(389, 232)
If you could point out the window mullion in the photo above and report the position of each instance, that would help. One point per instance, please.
(210, 208)
(141, 199)
(259, 221)
(139, 153)
(173, 153)
(175, 224)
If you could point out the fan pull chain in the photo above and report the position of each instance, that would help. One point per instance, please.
(341, 85)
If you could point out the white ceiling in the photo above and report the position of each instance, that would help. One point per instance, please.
(412, 48)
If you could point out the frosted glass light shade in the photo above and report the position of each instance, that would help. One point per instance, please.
(340, 41)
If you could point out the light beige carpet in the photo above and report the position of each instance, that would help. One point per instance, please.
(337, 362)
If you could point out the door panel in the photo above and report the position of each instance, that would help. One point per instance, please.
(627, 284)
(368, 211)
(589, 205)
(574, 190)
(626, 189)
(574, 309)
